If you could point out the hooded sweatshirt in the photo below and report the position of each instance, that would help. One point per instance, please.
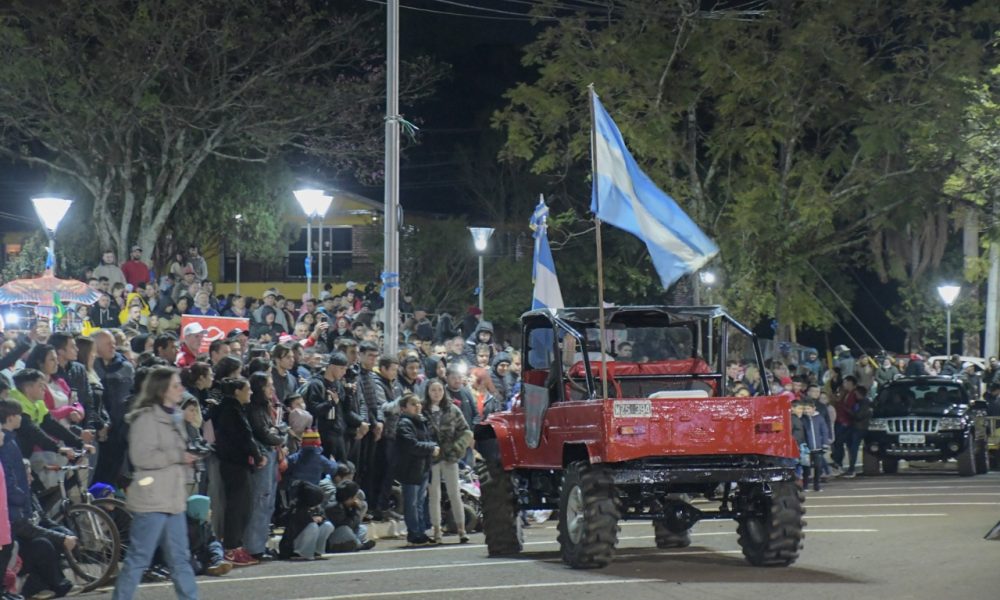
(503, 383)
(472, 342)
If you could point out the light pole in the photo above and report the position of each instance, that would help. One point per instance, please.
(239, 227)
(313, 202)
(949, 293)
(51, 211)
(481, 237)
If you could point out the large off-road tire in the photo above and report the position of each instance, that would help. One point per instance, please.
(771, 533)
(666, 537)
(967, 459)
(982, 458)
(890, 466)
(588, 516)
(501, 522)
(994, 459)
(870, 464)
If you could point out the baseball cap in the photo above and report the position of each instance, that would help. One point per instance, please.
(136, 247)
(270, 293)
(193, 329)
(351, 285)
(235, 333)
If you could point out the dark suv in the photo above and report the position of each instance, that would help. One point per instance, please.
(926, 418)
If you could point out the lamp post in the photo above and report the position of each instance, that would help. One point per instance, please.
(949, 293)
(51, 211)
(480, 238)
(313, 202)
(239, 227)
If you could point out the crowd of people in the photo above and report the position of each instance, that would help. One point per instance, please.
(300, 425)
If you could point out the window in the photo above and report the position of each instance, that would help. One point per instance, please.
(335, 257)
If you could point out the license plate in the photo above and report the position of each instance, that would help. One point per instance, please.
(912, 439)
(633, 408)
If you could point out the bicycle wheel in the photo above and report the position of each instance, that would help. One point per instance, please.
(122, 518)
(94, 561)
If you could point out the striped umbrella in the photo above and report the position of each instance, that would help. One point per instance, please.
(43, 291)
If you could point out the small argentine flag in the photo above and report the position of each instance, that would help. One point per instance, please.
(627, 198)
(543, 273)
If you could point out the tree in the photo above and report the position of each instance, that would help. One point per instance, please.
(130, 99)
(789, 134)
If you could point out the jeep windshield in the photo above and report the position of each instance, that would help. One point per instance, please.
(903, 398)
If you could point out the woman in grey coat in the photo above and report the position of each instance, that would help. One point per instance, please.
(452, 434)
(157, 497)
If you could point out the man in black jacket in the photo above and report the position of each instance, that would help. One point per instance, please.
(117, 376)
(325, 398)
(75, 375)
(414, 450)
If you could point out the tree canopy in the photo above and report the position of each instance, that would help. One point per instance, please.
(789, 134)
(131, 99)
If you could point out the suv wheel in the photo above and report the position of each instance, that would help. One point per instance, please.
(770, 531)
(501, 522)
(588, 516)
(870, 464)
(967, 459)
(982, 458)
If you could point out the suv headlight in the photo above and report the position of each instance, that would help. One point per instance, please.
(878, 425)
(950, 424)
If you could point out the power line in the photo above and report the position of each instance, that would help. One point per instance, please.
(846, 307)
(456, 14)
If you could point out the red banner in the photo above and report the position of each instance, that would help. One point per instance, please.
(216, 328)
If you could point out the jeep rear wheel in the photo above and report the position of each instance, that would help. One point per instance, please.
(666, 537)
(588, 516)
(967, 459)
(770, 533)
(982, 458)
(870, 464)
(501, 522)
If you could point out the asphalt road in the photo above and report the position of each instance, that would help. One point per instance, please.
(915, 535)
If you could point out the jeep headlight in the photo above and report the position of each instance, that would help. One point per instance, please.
(950, 424)
(878, 425)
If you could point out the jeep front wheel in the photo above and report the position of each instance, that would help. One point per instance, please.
(501, 522)
(771, 529)
(588, 516)
(967, 459)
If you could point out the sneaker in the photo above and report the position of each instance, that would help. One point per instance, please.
(392, 515)
(848, 475)
(318, 556)
(297, 556)
(367, 545)
(240, 558)
(418, 541)
(220, 568)
(44, 595)
(265, 556)
(463, 539)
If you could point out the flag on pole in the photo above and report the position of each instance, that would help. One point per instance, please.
(627, 198)
(543, 271)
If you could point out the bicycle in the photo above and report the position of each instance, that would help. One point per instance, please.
(94, 560)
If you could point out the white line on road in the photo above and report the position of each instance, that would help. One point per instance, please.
(811, 517)
(485, 588)
(922, 487)
(961, 495)
(897, 504)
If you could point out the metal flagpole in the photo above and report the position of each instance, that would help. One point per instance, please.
(390, 276)
(309, 249)
(600, 252)
(319, 261)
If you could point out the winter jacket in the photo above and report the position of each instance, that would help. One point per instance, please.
(462, 398)
(39, 429)
(414, 447)
(5, 532)
(450, 430)
(501, 383)
(18, 489)
(117, 378)
(89, 393)
(105, 318)
(817, 432)
(798, 431)
(157, 442)
(884, 376)
(309, 464)
(915, 368)
(473, 341)
(262, 424)
(284, 386)
(846, 363)
(234, 441)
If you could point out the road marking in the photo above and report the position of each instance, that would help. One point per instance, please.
(811, 517)
(926, 487)
(963, 494)
(897, 504)
(485, 588)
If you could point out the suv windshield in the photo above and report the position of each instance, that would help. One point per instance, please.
(902, 398)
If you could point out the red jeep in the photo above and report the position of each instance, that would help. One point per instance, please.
(665, 432)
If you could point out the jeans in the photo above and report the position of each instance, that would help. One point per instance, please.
(385, 484)
(849, 437)
(312, 539)
(149, 531)
(41, 563)
(345, 539)
(207, 556)
(414, 496)
(263, 490)
(447, 471)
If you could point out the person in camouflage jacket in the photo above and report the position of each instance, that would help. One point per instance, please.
(452, 434)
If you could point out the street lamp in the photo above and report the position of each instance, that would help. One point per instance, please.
(51, 211)
(314, 203)
(480, 238)
(239, 227)
(707, 278)
(949, 293)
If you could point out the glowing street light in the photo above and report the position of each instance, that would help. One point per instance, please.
(949, 293)
(480, 239)
(51, 211)
(707, 277)
(314, 204)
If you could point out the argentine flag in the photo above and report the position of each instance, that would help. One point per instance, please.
(625, 197)
(543, 272)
